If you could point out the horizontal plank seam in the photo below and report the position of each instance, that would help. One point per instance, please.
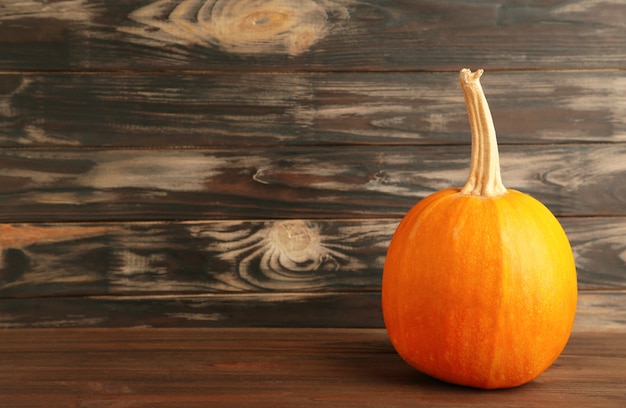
(230, 72)
(274, 147)
(195, 221)
(201, 221)
(198, 295)
(268, 295)
(191, 221)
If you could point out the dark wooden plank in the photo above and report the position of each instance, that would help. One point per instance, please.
(275, 368)
(230, 257)
(355, 182)
(244, 310)
(188, 258)
(245, 110)
(603, 311)
(310, 35)
(599, 247)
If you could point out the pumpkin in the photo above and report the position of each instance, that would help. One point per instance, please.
(479, 283)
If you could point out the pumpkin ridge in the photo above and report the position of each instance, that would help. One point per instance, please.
(483, 367)
(494, 354)
(529, 230)
(502, 371)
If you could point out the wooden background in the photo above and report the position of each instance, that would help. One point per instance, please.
(245, 163)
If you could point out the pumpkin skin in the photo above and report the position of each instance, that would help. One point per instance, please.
(479, 289)
(479, 292)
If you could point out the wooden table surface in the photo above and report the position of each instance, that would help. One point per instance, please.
(145, 367)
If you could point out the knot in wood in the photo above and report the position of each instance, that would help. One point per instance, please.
(240, 26)
(264, 20)
(296, 240)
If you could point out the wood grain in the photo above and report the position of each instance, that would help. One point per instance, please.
(221, 163)
(272, 256)
(40, 185)
(199, 257)
(603, 311)
(274, 368)
(289, 273)
(239, 26)
(341, 309)
(269, 109)
(599, 246)
(336, 35)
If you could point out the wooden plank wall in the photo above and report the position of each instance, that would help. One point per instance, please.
(245, 163)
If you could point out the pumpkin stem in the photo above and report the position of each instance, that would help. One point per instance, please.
(484, 179)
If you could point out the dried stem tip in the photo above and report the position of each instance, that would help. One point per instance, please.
(484, 179)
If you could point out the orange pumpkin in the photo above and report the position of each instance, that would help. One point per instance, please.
(479, 284)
